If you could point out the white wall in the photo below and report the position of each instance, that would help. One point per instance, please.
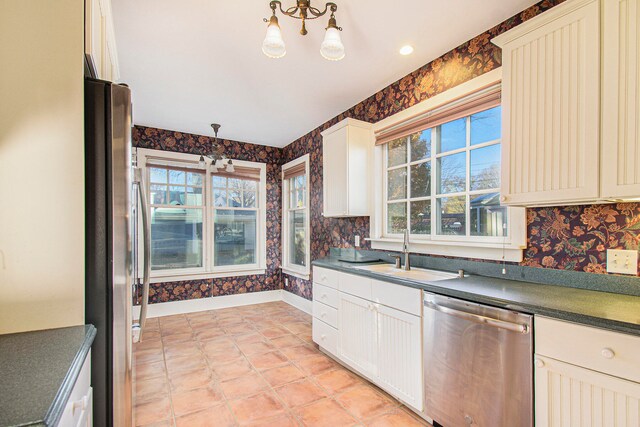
(41, 164)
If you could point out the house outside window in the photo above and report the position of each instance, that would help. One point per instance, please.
(204, 223)
(296, 257)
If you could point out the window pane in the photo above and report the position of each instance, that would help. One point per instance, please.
(177, 177)
(219, 181)
(250, 185)
(485, 167)
(300, 198)
(249, 199)
(397, 152)
(421, 180)
(397, 184)
(421, 217)
(485, 126)
(235, 234)
(452, 176)
(194, 179)
(451, 215)
(158, 175)
(420, 145)
(487, 217)
(396, 218)
(176, 195)
(235, 198)
(297, 234)
(219, 198)
(176, 238)
(235, 183)
(158, 194)
(453, 135)
(292, 199)
(194, 196)
(300, 181)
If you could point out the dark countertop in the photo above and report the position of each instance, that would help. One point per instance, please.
(38, 370)
(601, 309)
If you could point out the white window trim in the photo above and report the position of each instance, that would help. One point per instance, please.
(208, 270)
(509, 248)
(293, 270)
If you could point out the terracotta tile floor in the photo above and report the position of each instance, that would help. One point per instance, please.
(250, 366)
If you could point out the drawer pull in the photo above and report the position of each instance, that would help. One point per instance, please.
(324, 314)
(323, 277)
(323, 337)
(539, 363)
(323, 296)
(607, 353)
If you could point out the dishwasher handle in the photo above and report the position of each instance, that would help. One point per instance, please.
(496, 323)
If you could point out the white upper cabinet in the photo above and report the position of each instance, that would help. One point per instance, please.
(621, 99)
(99, 41)
(347, 149)
(551, 106)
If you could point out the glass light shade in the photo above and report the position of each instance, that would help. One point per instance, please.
(230, 168)
(332, 47)
(219, 164)
(201, 162)
(273, 44)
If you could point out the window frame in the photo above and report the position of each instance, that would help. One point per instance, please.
(208, 270)
(509, 248)
(288, 268)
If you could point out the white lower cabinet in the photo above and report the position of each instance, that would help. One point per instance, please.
(357, 334)
(399, 351)
(79, 409)
(568, 395)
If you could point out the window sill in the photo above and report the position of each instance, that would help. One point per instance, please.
(294, 273)
(209, 275)
(460, 249)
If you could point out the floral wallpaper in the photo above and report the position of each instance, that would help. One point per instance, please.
(160, 139)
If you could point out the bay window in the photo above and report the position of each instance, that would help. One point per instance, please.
(295, 218)
(204, 223)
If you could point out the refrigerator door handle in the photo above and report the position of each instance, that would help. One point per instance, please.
(146, 261)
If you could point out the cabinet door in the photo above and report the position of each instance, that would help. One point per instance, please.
(334, 174)
(567, 395)
(357, 334)
(94, 34)
(551, 105)
(400, 355)
(621, 99)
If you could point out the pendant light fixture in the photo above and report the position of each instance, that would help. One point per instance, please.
(331, 48)
(218, 159)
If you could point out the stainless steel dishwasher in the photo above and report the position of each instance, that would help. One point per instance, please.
(477, 364)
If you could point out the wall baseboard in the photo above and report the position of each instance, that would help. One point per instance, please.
(297, 301)
(225, 301)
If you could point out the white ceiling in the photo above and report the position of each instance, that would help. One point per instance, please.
(193, 62)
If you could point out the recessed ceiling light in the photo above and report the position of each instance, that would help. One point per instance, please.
(406, 50)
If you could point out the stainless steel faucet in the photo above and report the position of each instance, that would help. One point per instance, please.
(405, 250)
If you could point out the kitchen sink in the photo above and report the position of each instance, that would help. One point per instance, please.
(417, 274)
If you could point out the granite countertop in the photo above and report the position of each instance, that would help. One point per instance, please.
(601, 309)
(38, 370)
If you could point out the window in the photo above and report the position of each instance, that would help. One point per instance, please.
(295, 212)
(439, 164)
(445, 181)
(204, 224)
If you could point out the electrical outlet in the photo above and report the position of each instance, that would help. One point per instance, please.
(622, 261)
(357, 241)
(286, 282)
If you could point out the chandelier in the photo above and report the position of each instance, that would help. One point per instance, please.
(331, 48)
(218, 159)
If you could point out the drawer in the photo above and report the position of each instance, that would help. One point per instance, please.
(326, 277)
(397, 296)
(325, 313)
(609, 352)
(325, 336)
(325, 295)
(355, 285)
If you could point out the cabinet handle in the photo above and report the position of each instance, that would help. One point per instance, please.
(323, 315)
(607, 353)
(539, 363)
(503, 198)
(324, 296)
(323, 277)
(323, 337)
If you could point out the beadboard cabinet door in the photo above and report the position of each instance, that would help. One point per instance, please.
(357, 343)
(621, 99)
(551, 107)
(568, 395)
(400, 354)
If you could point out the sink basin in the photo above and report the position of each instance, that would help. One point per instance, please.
(418, 274)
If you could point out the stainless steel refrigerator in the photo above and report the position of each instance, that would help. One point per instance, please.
(109, 278)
